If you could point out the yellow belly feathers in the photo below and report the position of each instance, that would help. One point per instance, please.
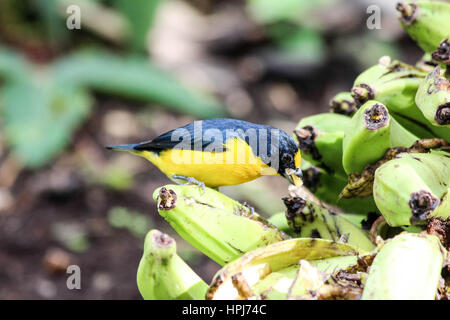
(236, 165)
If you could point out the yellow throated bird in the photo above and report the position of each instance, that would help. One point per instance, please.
(221, 152)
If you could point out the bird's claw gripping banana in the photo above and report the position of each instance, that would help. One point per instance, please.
(413, 188)
(433, 98)
(162, 274)
(426, 22)
(220, 227)
(407, 267)
(190, 181)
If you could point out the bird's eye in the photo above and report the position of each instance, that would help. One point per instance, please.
(286, 158)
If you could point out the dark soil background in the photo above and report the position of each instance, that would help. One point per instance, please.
(61, 214)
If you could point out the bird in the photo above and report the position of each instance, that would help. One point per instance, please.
(221, 152)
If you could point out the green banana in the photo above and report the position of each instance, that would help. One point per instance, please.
(220, 227)
(408, 267)
(361, 185)
(395, 84)
(327, 188)
(343, 103)
(372, 131)
(426, 22)
(359, 220)
(237, 279)
(433, 98)
(163, 275)
(392, 83)
(320, 140)
(412, 188)
(309, 219)
(416, 128)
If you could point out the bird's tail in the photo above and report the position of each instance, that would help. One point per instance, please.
(122, 147)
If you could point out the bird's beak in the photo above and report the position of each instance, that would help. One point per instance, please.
(294, 176)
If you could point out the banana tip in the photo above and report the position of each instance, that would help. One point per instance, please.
(167, 199)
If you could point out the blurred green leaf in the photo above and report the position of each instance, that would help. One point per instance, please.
(303, 45)
(271, 11)
(135, 78)
(41, 107)
(39, 117)
(72, 235)
(115, 177)
(136, 223)
(54, 25)
(12, 65)
(365, 50)
(140, 15)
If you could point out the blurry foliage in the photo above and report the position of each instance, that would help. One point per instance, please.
(139, 14)
(285, 23)
(39, 114)
(302, 45)
(300, 30)
(371, 48)
(41, 106)
(41, 21)
(136, 223)
(115, 177)
(71, 235)
(133, 77)
(270, 11)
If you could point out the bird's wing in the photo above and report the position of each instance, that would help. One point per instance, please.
(183, 137)
(195, 137)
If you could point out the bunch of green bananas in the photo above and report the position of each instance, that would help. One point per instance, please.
(372, 220)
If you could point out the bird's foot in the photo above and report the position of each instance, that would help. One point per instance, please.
(249, 207)
(190, 181)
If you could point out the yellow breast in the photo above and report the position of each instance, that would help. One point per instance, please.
(234, 166)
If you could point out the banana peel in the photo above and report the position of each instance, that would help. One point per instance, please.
(220, 227)
(254, 266)
(163, 275)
